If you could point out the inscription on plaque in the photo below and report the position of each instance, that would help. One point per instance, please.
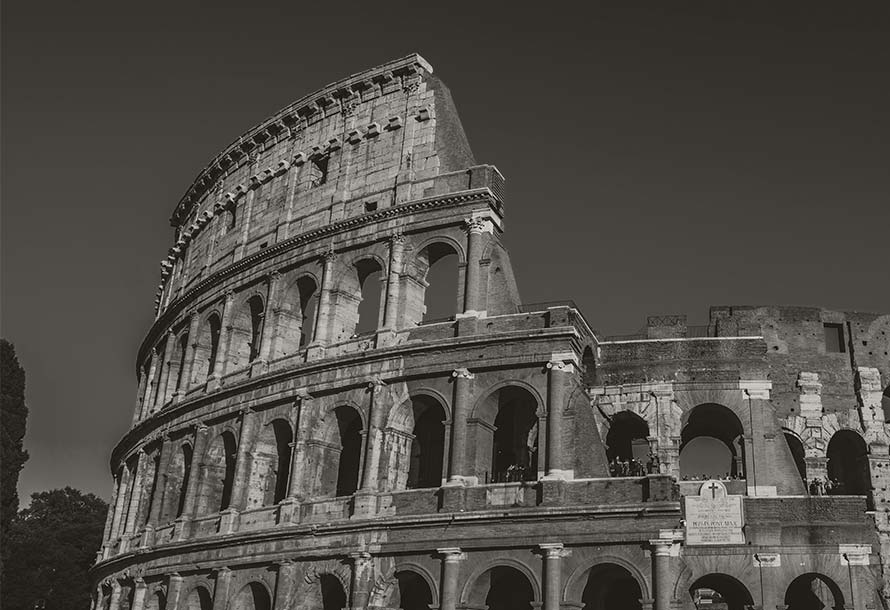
(713, 516)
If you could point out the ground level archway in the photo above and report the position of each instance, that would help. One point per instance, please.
(611, 587)
(720, 591)
(814, 592)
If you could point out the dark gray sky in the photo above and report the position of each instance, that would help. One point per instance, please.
(661, 157)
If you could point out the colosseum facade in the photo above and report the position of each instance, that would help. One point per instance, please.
(343, 403)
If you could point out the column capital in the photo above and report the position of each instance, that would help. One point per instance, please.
(553, 550)
(451, 554)
(397, 239)
(245, 411)
(561, 366)
(462, 374)
(359, 557)
(328, 256)
(756, 389)
(478, 225)
(200, 427)
(229, 296)
(301, 394)
(376, 384)
(661, 547)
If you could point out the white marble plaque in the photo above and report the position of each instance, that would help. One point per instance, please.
(713, 517)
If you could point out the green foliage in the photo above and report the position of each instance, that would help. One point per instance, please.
(52, 544)
(13, 415)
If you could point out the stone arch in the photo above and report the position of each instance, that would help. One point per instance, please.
(217, 474)
(798, 452)
(323, 588)
(627, 443)
(157, 600)
(577, 582)
(338, 451)
(199, 598)
(814, 591)
(178, 473)
(504, 584)
(730, 590)
(246, 332)
(207, 346)
(295, 316)
(415, 442)
(150, 484)
(175, 382)
(252, 596)
(721, 450)
(435, 289)
(847, 466)
(270, 464)
(609, 586)
(503, 433)
(423, 574)
(588, 366)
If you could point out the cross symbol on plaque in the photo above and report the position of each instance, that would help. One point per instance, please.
(713, 487)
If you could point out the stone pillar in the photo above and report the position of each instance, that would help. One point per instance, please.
(157, 500)
(295, 490)
(270, 322)
(174, 591)
(451, 558)
(136, 495)
(553, 552)
(323, 313)
(221, 589)
(285, 583)
(560, 373)
(243, 459)
(661, 572)
(472, 297)
(151, 384)
(191, 491)
(189, 362)
(164, 386)
(140, 398)
(219, 363)
(109, 518)
(115, 602)
(360, 582)
(120, 504)
(396, 251)
(139, 594)
(456, 467)
(365, 502)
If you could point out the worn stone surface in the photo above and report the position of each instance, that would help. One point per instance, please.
(281, 457)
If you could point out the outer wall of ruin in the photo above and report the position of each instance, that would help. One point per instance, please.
(307, 435)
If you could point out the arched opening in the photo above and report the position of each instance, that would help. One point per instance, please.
(178, 473)
(501, 588)
(333, 596)
(412, 593)
(207, 348)
(712, 444)
(181, 351)
(848, 471)
(349, 427)
(814, 592)
(149, 497)
(157, 601)
(252, 596)
(504, 436)
(611, 587)
(158, 358)
(200, 599)
(719, 591)
(588, 364)
(370, 283)
(438, 264)
(295, 318)
(105, 592)
(885, 404)
(270, 466)
(428, 445)
(799, 455)
(627, 447)
(218, 475)
(247, 330)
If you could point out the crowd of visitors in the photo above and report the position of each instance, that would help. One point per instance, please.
(620, 467)
(826, 487)
(704, 477)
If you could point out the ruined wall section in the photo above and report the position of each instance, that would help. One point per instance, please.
(796, 345)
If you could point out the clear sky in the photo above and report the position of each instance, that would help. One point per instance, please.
(660, 156)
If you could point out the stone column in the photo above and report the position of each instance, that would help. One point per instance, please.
(284, 585)
(136, 496)
(174, 591)
(151, 384)
(365, 502)
(221, 589)
(191, 491)
(139, 594)
(472, 301)
(109, 518)
(323, 313)
(189, 362)
(140, 398)
(157, 500)
(661, 572)
(295, 490)
(456, 468)
(243, 459)
(451, 558)
(359, 589)
(396, 251)
(270, 322)
(164, 386)
(115, 602)
(219, 363)
(560, 373)
(120, 504)
(553, 552)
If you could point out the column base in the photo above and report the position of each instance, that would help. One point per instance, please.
(182, 528)
(213, 383)
(557, 475)
(147, 539)
(288, 511)
(315, 351)
(457, 481)
(471, 313)
(364, 505)
(229, 520)
(258, 367)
